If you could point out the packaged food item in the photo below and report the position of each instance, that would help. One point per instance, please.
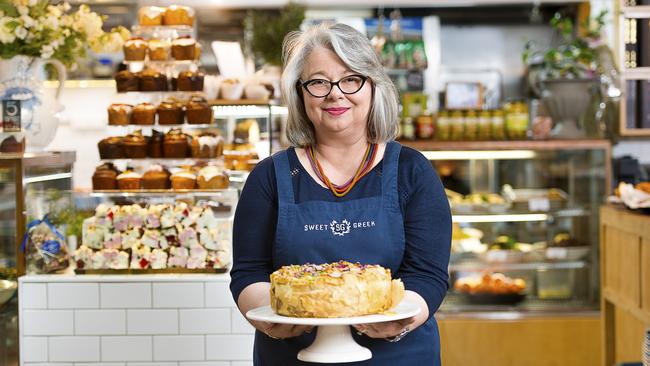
(517, 121)
(498, 130)
(45, 248)
(457, 122)
(471, 126)
(443, 126)
(484, 125)
(408, 129)
(425, 127)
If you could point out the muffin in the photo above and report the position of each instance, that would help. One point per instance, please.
(206, 146)
(212, 177)
(105, 177)
(155, 144)
(126, 81)
(129, 180)
(152, 80)
(175, 144)
(151, 15)
(170, 112)
(119, 114)
(111, 148)
(135, 49)
(198, 111)
(11, 144)
(190, 81)
(183, 180)
(135, 145)
(159, 50)
(157, 177)
(143, 114)
(178, 15)
(184, 48)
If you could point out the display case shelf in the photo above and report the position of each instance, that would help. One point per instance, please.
(157, 63)
(453, 147)
(477, 266)
(456, 303)
(519, 216)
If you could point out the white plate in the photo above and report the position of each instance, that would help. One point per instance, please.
(402, 311)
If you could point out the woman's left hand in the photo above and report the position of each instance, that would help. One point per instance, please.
(397, 327)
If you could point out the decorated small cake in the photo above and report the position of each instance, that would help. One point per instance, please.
(334, 290)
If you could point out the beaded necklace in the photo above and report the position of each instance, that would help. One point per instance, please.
(363, 169)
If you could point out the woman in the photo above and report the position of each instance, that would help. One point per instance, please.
(343, 113)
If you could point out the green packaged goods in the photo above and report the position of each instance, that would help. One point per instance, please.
(517, 121)
(425, 126)
(471, 126)
(498, 131)
(443, 126)
(484, 125)
(457, 123)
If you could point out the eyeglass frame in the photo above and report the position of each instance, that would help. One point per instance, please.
(332, 84)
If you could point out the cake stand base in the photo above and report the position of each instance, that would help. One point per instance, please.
(334, 344)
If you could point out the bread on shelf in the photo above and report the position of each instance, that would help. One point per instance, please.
(178, 15)
(129, 181)
(111, 148)
(135, 49)
(150, 15)
(119, 114)
(135, 145)
(105, 177)
(143, 114)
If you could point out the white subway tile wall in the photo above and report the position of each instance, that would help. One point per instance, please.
(147, 322)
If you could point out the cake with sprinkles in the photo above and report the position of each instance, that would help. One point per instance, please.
(334, 290)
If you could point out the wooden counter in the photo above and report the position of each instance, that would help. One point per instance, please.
(624, 283)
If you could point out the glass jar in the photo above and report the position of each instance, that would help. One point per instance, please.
(517, 121)
(484, 125)
(408, 129)
(457, 123)
(497, 129)
(471, 126)
(443, 126)
(425, 127)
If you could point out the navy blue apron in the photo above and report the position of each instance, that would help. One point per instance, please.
(368, 230)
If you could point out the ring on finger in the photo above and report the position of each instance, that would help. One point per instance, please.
(266, 331)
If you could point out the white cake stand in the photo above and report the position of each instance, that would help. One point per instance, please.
(334, 342)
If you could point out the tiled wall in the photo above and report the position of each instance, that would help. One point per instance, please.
(189, 321)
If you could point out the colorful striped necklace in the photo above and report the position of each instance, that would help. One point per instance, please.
(363, 169)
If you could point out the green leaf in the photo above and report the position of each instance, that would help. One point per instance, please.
(7, 7)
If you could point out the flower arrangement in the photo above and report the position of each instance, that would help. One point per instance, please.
(37, 28)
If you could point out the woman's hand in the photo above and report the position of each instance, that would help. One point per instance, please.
(281, 331)
(397, 327)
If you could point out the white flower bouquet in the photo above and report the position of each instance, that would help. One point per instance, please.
(37, 28)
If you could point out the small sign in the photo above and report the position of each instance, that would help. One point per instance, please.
(556, 253)
(11, 115)
(539, 204)
(496, 256)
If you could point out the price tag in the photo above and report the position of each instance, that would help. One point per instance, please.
(556, 253)
(539, 204)
(496, 256)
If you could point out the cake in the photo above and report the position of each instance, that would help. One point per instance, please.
(143, 114)
(135, 49)
(150, 15)
(83, 257)
(190, 81)
(119, 114)
(126, 81)
(105, 177)
(159, 50)
(155, 144)
(334, 290)
(183, 180)
(11, 144)
(206, 146)
(178, 257)
(198, 111)
(175, 144)
(111, 148)
(183, 48)
(135, 145)
(129, 181)
(170, 112)
(212, 177)
(178, 15)
(151, 80)
(157, 177)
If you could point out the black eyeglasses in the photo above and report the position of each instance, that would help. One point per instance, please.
(320, 88)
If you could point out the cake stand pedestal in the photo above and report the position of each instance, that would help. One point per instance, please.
(334, 342)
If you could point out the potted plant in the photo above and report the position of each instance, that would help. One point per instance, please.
(566, 76)
(269, 28)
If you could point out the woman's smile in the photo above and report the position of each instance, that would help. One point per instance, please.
(336, 111)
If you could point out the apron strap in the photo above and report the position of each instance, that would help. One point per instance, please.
(389, 174)
(283, 178)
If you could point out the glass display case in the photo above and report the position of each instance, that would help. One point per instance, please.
(20, 175)
(525, 222)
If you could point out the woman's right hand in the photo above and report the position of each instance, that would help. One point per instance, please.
(281, 331)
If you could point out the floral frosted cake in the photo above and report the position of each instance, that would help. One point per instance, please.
(334, 290)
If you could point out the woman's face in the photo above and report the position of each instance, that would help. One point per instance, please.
(337, 112)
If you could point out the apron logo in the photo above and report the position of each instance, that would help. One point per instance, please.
(340, 229)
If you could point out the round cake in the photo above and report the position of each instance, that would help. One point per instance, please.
(334, 290)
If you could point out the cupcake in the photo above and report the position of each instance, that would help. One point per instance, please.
(184, 48)
(178, 15)
(135, 145)
(190, 81)
(170, 112)
(183, 180)
(135, 49)
(111, 148)
(212, 177)
(126, 81)
(105, 177)
(154, 144)
(207, 145)
(129, 181)
(175, 144)
(198, 111)
(11, 144)
(152, 80)
(151, 15)
(159, 50)
(157, 177)
(119, 114)
(143, 114)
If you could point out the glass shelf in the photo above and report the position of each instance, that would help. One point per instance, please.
(162, 63)
(164, 127)
(477, 266)
(162, 192)
(520, 216)
(162, 31)
(456, 303)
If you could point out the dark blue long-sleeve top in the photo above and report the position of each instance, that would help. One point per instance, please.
(424, 206)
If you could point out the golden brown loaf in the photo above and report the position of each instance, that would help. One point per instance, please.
(334, 290)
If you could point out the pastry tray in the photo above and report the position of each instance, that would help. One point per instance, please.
(129, 271)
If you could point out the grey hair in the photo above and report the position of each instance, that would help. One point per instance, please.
(354, 49)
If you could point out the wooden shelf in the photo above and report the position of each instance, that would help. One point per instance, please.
(424, 145)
